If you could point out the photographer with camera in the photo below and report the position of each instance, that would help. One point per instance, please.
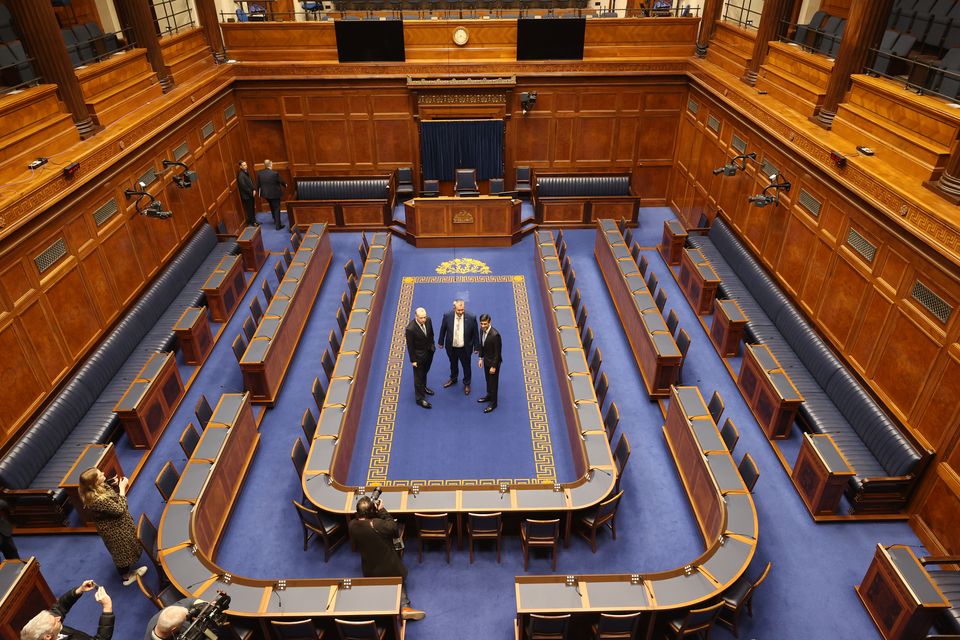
(374, 531)
(168, 620)
(48, 624)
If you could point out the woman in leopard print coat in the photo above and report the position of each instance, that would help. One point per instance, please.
(107, 507)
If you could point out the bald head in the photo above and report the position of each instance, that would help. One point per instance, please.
(421, 315)
(170, 620)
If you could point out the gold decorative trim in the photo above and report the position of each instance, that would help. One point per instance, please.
(455, 82)
(462, 98)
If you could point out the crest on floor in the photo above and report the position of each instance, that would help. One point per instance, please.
(462, 265)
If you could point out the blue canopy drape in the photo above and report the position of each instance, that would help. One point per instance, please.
(448, 145)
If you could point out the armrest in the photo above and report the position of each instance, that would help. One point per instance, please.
(940, 560)
(21, 495)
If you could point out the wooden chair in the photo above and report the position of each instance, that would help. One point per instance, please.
(695, 623)
(327, 362)
(565, 265)
(249, 328)
(434, 527)
(484, 526)
(683, 344)
(716, 406)
(317, 524)
(643, 264)
(635, 252)
(610, 420)
(595, 361)
(587, 340)
(561, 246)
(575, 302)
(267, 291)
(620, 456)
(605, 515)
(203, 411)
(346, 303)
(341, 320)
(295, 240)
(363, 250)
(542, 534)
(334, 340)
(661, 300)
(309, 424)
(167, 480)
(737, 597)
(319, 393)
(239, 347)
(352, 285)
(571, 280)
(295, 630)
(359, 629)
(162, 597)
(465, 182)
(299, 456)
(431, 189)
(541, 627)
(628, 236)
(365, 241)
(616, 626)
(729, 434)
(287, 257)
(349, 268)
(748, 471)
(673, 320)
(279, 269)
(601, 386)
(147, 536)
(652, 282)
(189, 439)
(521, 183)
(582, 318)
(256, 311)
(622, 225)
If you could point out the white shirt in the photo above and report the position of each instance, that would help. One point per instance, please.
(457, 331)
(423, 327)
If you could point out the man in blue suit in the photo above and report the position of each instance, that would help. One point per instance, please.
(458, 334)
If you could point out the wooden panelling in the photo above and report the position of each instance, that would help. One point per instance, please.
(118, 85)
(20, 387)
(795, 77)
(73, 310)
(52, 360)
(186, 54)
(33, 123)
(937, 515)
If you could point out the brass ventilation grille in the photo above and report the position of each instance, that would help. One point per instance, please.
(931, 301)
(230, 112)
(208, 130)
(105, 212)
(693, 106)
(714, 123)
(808, 202)
(739, 144)
(861, 245)
(148, 177)
(181, 152)
(51, 255)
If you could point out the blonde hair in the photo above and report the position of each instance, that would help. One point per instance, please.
(90, 487)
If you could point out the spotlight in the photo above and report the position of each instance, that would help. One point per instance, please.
(152, 210)
(186, 178)
(763, 198)
(730, 169)
(527, 100)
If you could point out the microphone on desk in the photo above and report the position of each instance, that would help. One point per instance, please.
(572, 582)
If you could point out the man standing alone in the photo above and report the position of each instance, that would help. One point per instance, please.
(420, 346)
(490, 360)
(458, 332)
(246, 189)
(271, 189)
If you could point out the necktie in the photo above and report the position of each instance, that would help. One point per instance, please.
(484, 341)
(423, 327)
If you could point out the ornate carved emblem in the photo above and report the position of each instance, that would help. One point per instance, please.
(463, 217)
(461, 266)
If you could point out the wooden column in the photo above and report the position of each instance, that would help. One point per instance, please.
(868, 19)
(770, 19)
(38, 26)
(710, 15)
(137, 20)
(210, 23)
(948, 185)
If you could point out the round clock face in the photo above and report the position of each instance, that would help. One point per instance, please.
(460, 36)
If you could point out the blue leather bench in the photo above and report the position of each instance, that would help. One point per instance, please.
(949, 582)
(582, 186)
(886, 462)
(343, 189)
(82, 412)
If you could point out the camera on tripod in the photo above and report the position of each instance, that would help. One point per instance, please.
(204, 620)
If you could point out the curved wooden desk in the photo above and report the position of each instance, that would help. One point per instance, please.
(328, 461)
(480, 221)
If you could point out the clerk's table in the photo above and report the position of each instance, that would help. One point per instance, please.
(479, 221)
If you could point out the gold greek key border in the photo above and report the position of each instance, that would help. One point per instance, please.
(541, 445)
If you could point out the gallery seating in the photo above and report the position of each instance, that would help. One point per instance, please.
(82, 412)
(887, 463)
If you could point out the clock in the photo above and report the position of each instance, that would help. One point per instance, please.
(460, 36)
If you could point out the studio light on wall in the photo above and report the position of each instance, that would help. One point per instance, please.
(762, 199)
(184, 179)
(527, 100)
(731, 168)
(153, 210)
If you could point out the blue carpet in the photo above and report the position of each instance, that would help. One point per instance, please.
(809, 592)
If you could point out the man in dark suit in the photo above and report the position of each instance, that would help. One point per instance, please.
(271, 189)
(489, 350)
(458, 334)
(373, 532)
(420, 346)
(247, 190)
(48, 625)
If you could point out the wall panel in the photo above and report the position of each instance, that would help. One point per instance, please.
(37, 323)
(20, 387)
(73, 310)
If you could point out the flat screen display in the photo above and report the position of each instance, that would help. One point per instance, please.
(550, 38)
(369, 40)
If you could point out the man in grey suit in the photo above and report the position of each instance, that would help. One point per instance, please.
(271, 189)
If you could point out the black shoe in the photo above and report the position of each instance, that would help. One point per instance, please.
(424, 404)
(449, 383)
(278, 228)
(483, 399)
(428, 391)
(466, 389)
(490, 408)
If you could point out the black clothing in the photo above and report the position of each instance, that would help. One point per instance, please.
(461, 355)
(489, 351)
(420, 347)
(374, 540)
(246, 188)
(271, 190)
(7, 547)
(186, 603)
(62, 607)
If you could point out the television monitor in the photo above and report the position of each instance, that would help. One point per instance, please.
(550, 38)
(370, 40)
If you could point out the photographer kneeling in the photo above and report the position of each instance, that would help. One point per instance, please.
(168, 620)
(373, 531)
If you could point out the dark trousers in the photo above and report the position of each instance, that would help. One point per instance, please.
(8, 548)
(493, 381)
(275, 210)
(420, 376)
(404, 599)
(248, 211)
(459, 356)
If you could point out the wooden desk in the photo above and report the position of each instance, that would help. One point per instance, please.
(698, 281)
(224, 288)
(898, 593)
(653, 346)
(768, 391)
(729, 325)
(821, 473)
(673, 240)
(101, 456)
(265, 361)
(151, 400)
(23, 594)
(193, 334)
(252, 252)
(481, 221)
